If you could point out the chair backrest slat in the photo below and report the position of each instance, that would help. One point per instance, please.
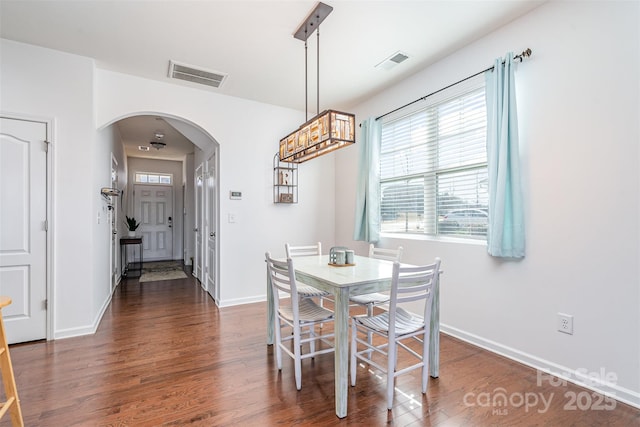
(386, 254)
(282, 278)
(281, 275)
(294, 251)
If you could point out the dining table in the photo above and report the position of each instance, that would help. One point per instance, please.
(365, 275)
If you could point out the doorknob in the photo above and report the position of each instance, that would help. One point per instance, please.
(195, 229)
(114, 232)
(212, 234)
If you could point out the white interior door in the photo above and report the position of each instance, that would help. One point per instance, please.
(199, 190)
(211, 222)
(23, 236)
(154, 210)
(113, 215)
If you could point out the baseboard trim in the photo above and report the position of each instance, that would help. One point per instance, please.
(240, 301)
(84, 330)
(545, 367)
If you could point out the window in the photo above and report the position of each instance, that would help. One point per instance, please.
(433, 166)
(153, 178)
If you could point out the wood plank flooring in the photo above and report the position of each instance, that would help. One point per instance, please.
(165, 355)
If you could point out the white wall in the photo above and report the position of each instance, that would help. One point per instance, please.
(107, 143)
(47, 83)
(578, 101)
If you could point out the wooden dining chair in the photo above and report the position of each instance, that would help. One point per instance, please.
(397, 327)
(12, 402)
(371, 300)
(295, 314)
(304, 290)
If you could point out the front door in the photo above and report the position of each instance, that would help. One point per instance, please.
(154, 211)
(23, 224)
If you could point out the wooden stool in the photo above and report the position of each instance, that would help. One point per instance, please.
(13, 403)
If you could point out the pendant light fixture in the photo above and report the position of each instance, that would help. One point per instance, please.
(327, 131)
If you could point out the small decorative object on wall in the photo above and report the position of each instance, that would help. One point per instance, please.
(285, 181)
(286, 198)
(286, 177)
(132, 225)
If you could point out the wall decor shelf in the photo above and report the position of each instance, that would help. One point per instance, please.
(285, 181)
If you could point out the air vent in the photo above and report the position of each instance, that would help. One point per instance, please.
(393, 60)
(398, 58)
(195, 75)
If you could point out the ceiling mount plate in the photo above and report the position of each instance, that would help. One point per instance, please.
(312, 21)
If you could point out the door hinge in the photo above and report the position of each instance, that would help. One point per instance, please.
(45, 303)
(46, 225)
(46, 146)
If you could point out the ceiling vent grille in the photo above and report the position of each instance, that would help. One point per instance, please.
(399, 57)
(195, 75)
(393, 60)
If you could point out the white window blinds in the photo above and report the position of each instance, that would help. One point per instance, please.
(433, 165)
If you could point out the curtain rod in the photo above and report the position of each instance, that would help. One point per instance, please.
(525, 54)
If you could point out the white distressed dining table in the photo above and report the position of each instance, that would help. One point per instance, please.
(367, 276)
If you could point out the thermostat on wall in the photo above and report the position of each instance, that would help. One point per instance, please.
(235, 195)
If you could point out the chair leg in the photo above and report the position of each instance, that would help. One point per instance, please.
(298, 360)
(354, 348)
(425, 360)
(278, 343)
(391, 370)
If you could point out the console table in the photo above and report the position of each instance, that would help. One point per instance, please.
(134, 267)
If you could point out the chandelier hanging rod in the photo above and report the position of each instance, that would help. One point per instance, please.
(310, 24)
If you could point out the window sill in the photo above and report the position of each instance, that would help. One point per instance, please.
(441, 239)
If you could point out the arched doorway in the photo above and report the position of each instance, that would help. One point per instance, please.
(185, 148)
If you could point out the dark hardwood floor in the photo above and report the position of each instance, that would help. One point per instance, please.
(164, 354)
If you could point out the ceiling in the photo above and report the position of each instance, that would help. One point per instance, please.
(252, 42)
(139, 131)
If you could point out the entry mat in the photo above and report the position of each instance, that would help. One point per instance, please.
(162, 270)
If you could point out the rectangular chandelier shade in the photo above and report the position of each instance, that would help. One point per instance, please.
(323, 134)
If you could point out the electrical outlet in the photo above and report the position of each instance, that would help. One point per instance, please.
(565, 323)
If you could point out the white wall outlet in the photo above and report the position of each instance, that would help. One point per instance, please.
(232, 218)
(565, 323)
